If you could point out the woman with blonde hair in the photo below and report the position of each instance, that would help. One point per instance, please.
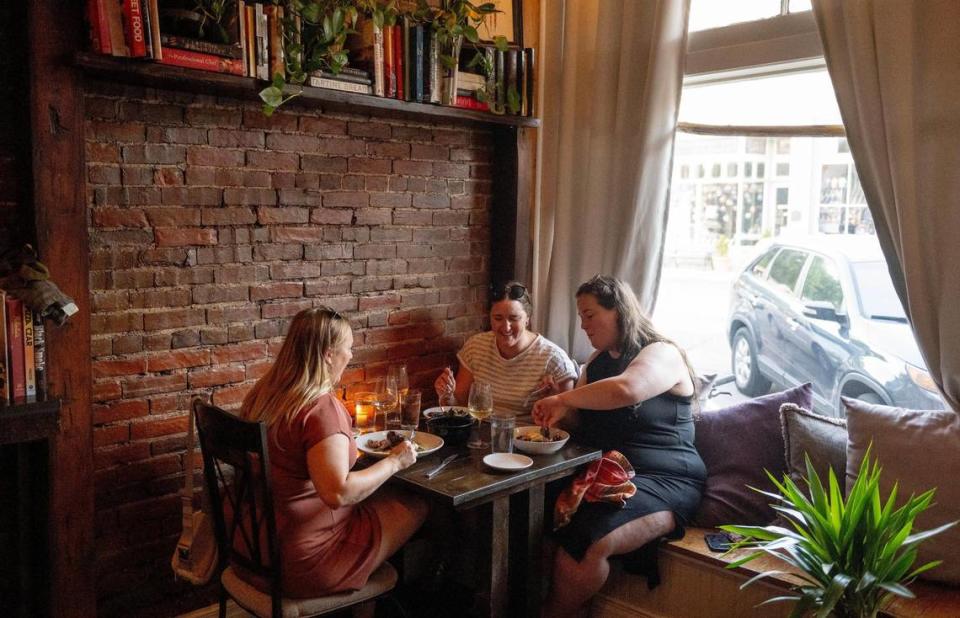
(636, 397)
(336, 525)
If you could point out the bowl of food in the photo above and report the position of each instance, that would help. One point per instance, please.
(532, 441)
(446, 411)
(453, 429)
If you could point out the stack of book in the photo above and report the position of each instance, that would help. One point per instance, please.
(22, 352)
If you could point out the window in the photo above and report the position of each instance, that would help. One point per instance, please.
(759, 268)
(878, 299)
(783, 169)
(786, 268)
(783, 196)
(732, 170)
(822, 284)
(705, 14)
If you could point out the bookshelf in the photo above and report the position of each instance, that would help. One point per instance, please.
(29, 421)
(151, 74)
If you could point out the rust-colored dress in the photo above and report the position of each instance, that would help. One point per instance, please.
(323, 550)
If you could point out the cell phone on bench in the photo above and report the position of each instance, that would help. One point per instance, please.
(720, 541)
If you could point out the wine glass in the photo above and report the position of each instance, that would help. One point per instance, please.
(480, 406)
(388, 403)
(398, 374)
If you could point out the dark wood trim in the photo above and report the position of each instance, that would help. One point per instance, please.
(26, 422)
(57, 132)
(511, 244)
(139, 72)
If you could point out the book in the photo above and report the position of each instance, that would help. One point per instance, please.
(510, 75)
(529, 68)
(201, 61)
(471, 103)
(147, 32)
(112, 12)
(417, 64)
(217, 49)
(471, 81)
(40, 354)
(154, 11)
(398, 62)
(499, 69)
(275, 40)
(366, 54)
(262, 38)
(4, 365)
(99, 29)
(337, 84)
(250, 42)
(390, 76)
(522, 81)
(433, 62)
(18, 384)
(29, 364)
(133, 28)
(344, 76)
(405, 30)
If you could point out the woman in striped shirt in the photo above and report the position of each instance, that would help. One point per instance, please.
(520, 365)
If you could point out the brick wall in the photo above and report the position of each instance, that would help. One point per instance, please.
(210, 226)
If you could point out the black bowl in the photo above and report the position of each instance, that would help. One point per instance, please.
(453, 429)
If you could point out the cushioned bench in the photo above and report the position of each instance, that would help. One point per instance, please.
(696, 583)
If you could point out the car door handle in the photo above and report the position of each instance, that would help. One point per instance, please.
(794, 324)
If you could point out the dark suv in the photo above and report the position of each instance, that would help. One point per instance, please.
(824, 311)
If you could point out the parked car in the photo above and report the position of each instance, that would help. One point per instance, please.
(824, 310)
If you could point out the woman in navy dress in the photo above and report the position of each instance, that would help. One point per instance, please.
(636, 396)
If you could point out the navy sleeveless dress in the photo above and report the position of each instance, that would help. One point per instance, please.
(656, 436)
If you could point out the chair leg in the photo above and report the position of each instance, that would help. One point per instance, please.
(223, 602)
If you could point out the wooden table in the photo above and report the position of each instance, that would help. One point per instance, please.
(467, 483)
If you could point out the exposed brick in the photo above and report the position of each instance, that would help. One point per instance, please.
(176, 318)
(413, 168)
(384, 301)
(174, 237)
(372, 216)
(251, 350)
(431, 200)
(369, 129)
(323, 126)
(370, 166)
(119, 411)
(296, 143)
(272, 160)
(288, 214)
(389, 149)
(111, 434)
(296, 234)
(120, 367)
(180, 359)
(161, 427)
(147, 385)
(231, 396)
(227, 216)
(430, 152)
(172, 216)
(105, 457)
(292, 289)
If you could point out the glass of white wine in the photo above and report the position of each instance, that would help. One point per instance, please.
(480, 406)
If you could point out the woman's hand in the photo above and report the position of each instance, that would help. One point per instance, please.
(405, 454)
(445, 384)
(549, 411)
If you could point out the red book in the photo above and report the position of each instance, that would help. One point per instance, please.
(18, 379)
(202, 61)
(471, 103)
(389, 74)
(398, 59)
(133, 22)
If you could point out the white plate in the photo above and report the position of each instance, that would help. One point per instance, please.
(507, 461)
(539, 448)
(457, 411)
(427, 442)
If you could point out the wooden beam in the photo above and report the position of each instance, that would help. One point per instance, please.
(57, 131)
(812, 130)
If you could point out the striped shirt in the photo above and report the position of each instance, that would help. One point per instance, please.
(512, 380)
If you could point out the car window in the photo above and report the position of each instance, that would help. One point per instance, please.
(878, 299)
(823, 283)
(786, 268)
(759, 267)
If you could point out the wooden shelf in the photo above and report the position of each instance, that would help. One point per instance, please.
(152, 74)
(28, 421)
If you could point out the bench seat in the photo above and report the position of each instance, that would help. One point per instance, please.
(696, 583)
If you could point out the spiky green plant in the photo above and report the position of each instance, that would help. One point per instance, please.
(853, 555)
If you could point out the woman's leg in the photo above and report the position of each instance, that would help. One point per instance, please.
(575, 583)
(400, 514)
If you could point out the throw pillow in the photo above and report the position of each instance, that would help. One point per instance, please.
(737, 444)
(919, 450)
(823, 438)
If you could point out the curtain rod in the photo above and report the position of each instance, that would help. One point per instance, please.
(811, 130)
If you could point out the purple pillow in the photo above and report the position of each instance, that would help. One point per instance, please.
(737, 444)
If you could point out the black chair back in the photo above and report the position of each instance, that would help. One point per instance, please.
(236, 467)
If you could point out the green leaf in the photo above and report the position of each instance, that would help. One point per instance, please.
(926, 534)
(471, 34)
(513, 100)
(500, 42)
(272, 96)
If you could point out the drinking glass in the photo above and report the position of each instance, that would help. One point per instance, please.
(410, 412)
(364, 410)
(480, 406)
(501, 433)
(397, 374)
(388, 404)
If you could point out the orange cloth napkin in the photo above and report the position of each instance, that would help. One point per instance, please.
(604, 480)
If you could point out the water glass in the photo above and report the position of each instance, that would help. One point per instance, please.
(410, 412)
(364, 406)
(397, 375)
(501, 433)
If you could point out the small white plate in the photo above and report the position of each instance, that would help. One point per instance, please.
(507, 461)
(457, 411)
(427, 442)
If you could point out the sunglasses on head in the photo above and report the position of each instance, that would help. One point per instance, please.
(333, 312)
(513, 291)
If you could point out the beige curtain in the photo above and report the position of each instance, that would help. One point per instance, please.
(895, 66)
(611, 75)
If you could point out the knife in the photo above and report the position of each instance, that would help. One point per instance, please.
(443, 464)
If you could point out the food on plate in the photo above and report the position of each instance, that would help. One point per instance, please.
(534, 435)
(392, 439)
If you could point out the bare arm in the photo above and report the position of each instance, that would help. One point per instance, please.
(460, 386)
(328, 462)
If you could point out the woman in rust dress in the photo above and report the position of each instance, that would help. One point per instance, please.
(336, 525)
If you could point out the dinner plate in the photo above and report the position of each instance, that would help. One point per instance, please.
(427, 442)
(507, 461)
(457, 411)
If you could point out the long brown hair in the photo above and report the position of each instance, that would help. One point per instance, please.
(300, 373)
(635, 328)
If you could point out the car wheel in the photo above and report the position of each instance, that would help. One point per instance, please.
(743, 361)
(866, 397)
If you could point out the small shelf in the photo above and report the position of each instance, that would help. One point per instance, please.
(28, 421)
(152, 74)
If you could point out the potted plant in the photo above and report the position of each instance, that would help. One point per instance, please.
(854, 555)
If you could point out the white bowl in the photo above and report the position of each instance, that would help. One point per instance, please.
(539, 448)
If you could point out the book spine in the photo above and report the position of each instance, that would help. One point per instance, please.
(398, 60)
(133, 20)
(40, 354)
(336, 84)
(407, 55)
(250, 46)
(418, 77)
(263, 47)
(18, 385)
(434, 67)
(203, 62)
(510, 79)
(531, 67)
(499, 72)
(94, 23)
(216, 49)
(522, 80)
(29, 364)
(114, 17)
(155, 29)
(343, 77)
(4, 355)
(491, 56)
(274, 20)
(147, 32)
(389, 74)
(242, 40)
(471, 103)
(378, 81)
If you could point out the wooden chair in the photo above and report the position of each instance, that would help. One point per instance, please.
(237, 471)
